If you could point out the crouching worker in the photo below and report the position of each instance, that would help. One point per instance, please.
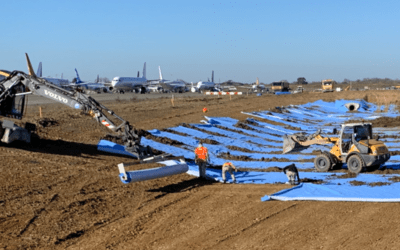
(228, 167)
(292, 174)
(201, 159)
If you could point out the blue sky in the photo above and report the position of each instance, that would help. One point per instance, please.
(239, 40)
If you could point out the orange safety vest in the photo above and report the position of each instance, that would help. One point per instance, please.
(201, 152)
(204, 110)
(227, 164)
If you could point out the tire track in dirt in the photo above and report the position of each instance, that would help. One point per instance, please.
(37, 213)
(254, 223)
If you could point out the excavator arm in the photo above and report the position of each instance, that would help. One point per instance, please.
(300, 141)
(18, 84)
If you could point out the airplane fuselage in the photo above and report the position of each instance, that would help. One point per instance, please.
(57, 81)
(128, 83)
(205, 85)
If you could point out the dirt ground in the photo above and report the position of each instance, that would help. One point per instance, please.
(64, 194)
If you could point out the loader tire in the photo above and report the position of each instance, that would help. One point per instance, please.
(355, 164)
(322, 163)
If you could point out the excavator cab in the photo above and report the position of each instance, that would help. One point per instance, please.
(14, 102)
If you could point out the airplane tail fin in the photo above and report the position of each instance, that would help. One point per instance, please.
(138, 74)
(78, 79)
(257, 82)
(159, 72)
(62, 75)
(98, 79)
(30, 69)
(39, 70)
(144, 70)
(212, 76)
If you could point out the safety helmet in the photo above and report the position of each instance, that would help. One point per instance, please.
(200, 144)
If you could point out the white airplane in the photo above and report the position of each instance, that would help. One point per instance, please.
(88, 86)
(204, 85)
(123, 84)
(172, 86)
(56, 81)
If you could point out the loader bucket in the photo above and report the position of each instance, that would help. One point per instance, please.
(290, 145)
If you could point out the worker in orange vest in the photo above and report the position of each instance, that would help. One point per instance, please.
(201, 159)
(205, 110)
(228, 167)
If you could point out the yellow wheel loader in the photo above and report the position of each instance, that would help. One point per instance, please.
(328, 85)
(354, 146)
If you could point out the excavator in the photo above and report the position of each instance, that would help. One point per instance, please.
(17, 85)
(355, 146)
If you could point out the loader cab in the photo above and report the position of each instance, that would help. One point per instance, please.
(354, 131)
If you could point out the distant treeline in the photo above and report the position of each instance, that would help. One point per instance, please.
(302, 81)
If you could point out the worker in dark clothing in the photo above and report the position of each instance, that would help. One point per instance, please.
(292, 174)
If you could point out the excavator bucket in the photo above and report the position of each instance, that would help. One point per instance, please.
(291, 145)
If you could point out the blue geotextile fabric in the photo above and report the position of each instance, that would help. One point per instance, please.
(113, 148)
(215, 150)
(344, 192)
(264, 140)
(254, 177)
(229, 123)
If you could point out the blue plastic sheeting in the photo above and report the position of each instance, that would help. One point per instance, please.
(251, 177)
(224, 140)
(242, 137)
(282, 93)
(215, 150)
(229, 123)
(346, 192)
(219, 161)
(274, 118)
(279, 130)
(113, 148)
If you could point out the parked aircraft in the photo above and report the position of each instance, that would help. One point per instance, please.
(167, 85)
(56, 81)
(136, 84)
(204, 85)
(88, 86)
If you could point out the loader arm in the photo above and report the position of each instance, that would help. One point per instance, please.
(72, 98)
(298, 142)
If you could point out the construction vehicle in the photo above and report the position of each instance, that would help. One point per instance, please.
(354, 146)
(17, 84)
(282, 86)
(328, 85)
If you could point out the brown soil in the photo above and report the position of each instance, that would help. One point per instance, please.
(239, 149)
(202, 130)
(233, 130)
(347, 175)
(395, 179)
(373, 184)
(357, 183)
(208, 141)
(243, 126)
(164, 140)
(174, 132)
(63, 193)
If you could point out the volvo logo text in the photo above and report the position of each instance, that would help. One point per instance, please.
(55, 96)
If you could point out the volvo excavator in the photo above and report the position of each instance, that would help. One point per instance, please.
(17, 85)
(355, 146)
